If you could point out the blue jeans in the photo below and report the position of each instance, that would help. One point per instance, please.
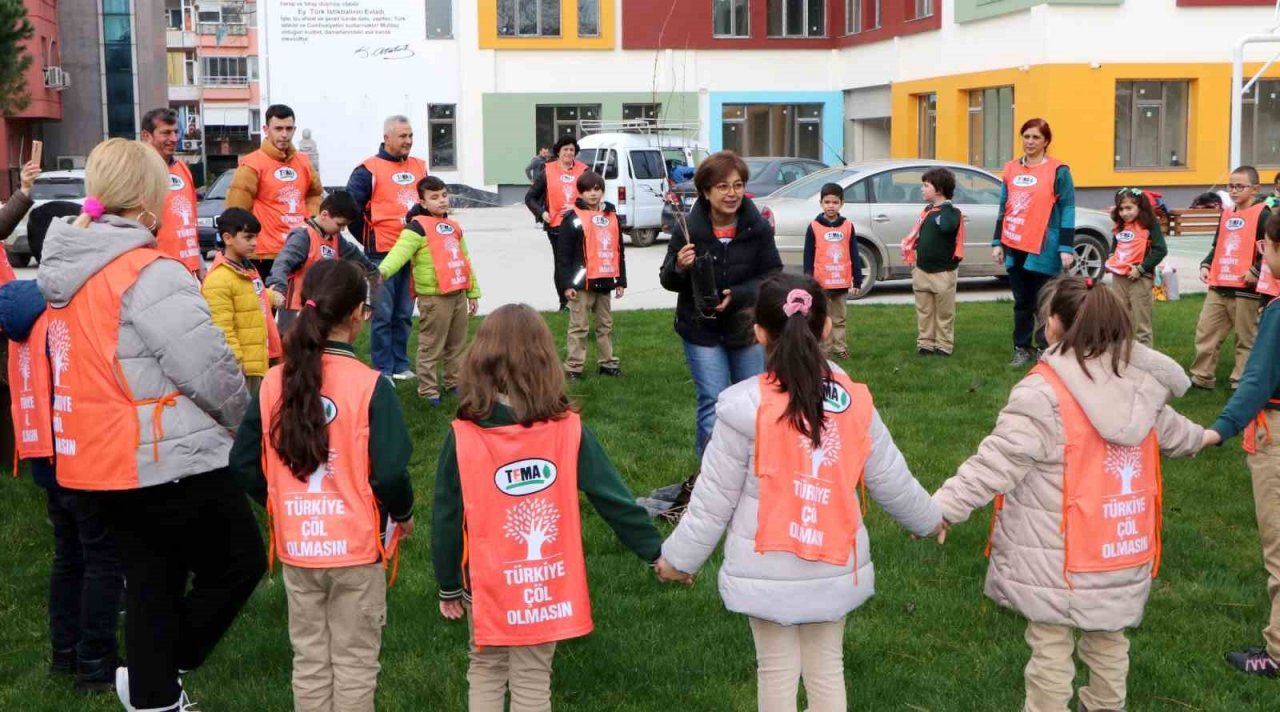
(392, 319)
(714, 369)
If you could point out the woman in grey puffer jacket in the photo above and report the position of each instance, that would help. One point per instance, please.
(169, 503)
(796, 597)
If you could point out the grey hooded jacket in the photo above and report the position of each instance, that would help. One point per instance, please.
(167, 342)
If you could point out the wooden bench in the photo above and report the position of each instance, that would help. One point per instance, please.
(1194, 221)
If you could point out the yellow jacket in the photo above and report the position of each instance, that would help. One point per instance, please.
(232, 293)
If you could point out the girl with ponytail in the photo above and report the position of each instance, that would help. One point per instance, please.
(1092, 419)
(332, 470)
(790, 451)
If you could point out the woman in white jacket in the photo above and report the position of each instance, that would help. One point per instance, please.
(781, 472)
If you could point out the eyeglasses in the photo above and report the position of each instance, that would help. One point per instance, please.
(737, 187)
(1237, 187)
(366, 311)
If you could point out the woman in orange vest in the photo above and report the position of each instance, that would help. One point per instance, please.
(1074, 467)
(790, 450)
(552, 195)
(1035, 232)
(325, 447)
(506, 532)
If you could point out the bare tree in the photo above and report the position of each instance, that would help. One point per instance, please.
(291, 196)
(826, 453)
(534, 523)
(1124, 462)
(24, 364)
(59, 348)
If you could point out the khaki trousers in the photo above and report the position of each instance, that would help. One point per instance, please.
(837, 310)
(442, 332)
(526, 669)
(935, 309)
(1051, 670)
(1220, 315)
(787, 653)
(580, 312)
(1265, 468)
(335, 624)
(1135, 295)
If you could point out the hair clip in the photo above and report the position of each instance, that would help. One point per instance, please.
(94, 208)
(1089, 282)
(798, 302)
(310, 303)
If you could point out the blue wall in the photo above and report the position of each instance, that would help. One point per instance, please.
(832, 115)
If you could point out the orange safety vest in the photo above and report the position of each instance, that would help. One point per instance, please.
(96, 429)
(1234, 250)
(274, 347)
(833, 255)
(178, 236)
(1267, 282)
(1111, 494)
(444, 240)
(601, 244)
(562, 189)
(281, 202)
(1030, 203)
(808, 496)
(522, 556)
(321, 247)
(32, 402)
(1250, 438)
(911, 242)
(395, 192)
(1132, 243)
(329, 519)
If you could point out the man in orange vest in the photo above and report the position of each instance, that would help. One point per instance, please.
(552, 196)
(384, 187)
(178, 236)
(277, 184)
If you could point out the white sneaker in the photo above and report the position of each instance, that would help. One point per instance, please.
(184, 704)
(405, 376)
(122, 687)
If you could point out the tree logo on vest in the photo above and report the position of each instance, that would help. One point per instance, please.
(833, 236)
(407, 199)
(176, 182)
(600, 221)
(525, 477)
(532, 522)
(1125, 464)
(826, 453)
(24, 364)
(835, 399)
(326, 252)
(286, 174)
(1025, 180)
(1125, 236)
(59, 349)
(402, 178)
(455, 249)
(444, 229)
(315, 482)
(181, 207)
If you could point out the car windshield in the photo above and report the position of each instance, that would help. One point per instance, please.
(810, 185)
(756, 165)
(58, 189)
(218, 191)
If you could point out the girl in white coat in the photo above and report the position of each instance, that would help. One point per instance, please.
(782, 473)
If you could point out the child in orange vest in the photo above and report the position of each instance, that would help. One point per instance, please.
(591, 265)
(1088, 424)
(1139, 249)
(831, 257)
(789, 452)
(506, 533)
(238, 301)
(325, 448)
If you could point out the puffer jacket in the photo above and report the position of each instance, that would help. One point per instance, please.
(411, 248)
(167, 343)
(1023, 459)
(779, 586)
(232, 295)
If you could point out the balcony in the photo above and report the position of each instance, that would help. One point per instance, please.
(227, 82)
(185, 92)
(214, 28)
(179, 39)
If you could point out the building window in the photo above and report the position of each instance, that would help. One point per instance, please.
(588, 18)
(773, 130)
(173, 14)
(924, 8)
(651, 112)
(730, 18)
(991, 127)
(1260, 125)
(797, 18)
(226, 71)
(927, 127)
(439, 19)
(1151, 124)
(529, 18)
(852, 17)
(552, 122)
(441, 125)
(117, 51)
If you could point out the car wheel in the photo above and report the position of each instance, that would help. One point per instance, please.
(870, 269)
(1091, 255)
(644, 238)
(20, 260)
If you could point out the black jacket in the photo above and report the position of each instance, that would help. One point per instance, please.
(360, 187)
(569, 257)
(740, 267)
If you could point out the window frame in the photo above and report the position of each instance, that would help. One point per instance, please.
(645, 109)
(1126, 163)
(557, 122)
(446, 30)
(1004, 146)
(923, 9)
(541, 20)
(432, 123)
(733, 19)
(853, 10)
(599, 19)
(806, 6)
(1249, 133)
(662, 163)
(927, 115)
(790, 134)
(228, 79)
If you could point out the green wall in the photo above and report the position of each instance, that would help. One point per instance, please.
(970, 10)
(509, 124)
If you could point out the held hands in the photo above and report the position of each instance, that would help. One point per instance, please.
(405, 527)
(571, 294)
(940, 534)
(473, 305)
(1210, 438)
(452, 609)
(668, 573)
(684, 258)
(276, 298)
(1204, 274)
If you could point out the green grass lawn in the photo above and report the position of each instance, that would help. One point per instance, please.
(928, 640)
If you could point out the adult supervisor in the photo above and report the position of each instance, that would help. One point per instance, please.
(384, 188)
(178, 236)
(146, 395)
(277, 184)
(552, 196)
(1035, 232)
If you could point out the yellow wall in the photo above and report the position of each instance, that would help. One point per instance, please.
(568, 38)
(1079, 104)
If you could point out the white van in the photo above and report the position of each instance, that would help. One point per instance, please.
(633, 158)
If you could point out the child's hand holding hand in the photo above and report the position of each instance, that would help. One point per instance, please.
(452, 609)
(405, 527)
(571, 294)
(668, 573)
(1210, 438)
(276, 298)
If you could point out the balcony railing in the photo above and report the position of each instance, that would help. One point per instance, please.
(213, 28)
(224, 81)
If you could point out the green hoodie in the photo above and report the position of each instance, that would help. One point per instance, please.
(411, 246)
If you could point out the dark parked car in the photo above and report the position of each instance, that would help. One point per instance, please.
(213, 200)
(767, 175)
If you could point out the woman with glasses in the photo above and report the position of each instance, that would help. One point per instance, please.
(1035, 232)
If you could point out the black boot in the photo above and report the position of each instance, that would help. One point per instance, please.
(96, 675)
(63, 662)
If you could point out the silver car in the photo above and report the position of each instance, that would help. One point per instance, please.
(883, 200)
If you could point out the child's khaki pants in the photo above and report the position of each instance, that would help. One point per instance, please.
(1135, 295)
(1265, 468)
(837, 310)
(1220, 315)
(787, 653)
(526, 669)
(588, 304)
(442, 332)
(1051, 670)
(935, 294)
(335, 624)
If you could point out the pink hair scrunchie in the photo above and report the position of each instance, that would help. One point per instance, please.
(798, 302)
(94, 208)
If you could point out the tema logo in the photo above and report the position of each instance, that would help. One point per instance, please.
(833, 236)
(1125, 236)
(286, 174)
(176, 182)
(326, 252)
(402, 178)
(600, 221)
(525, 477)
(330, 409)
(1024, 181)
(835, 399)
(1235, 223)
(257, 286)
(444, 228)
(568, 178)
